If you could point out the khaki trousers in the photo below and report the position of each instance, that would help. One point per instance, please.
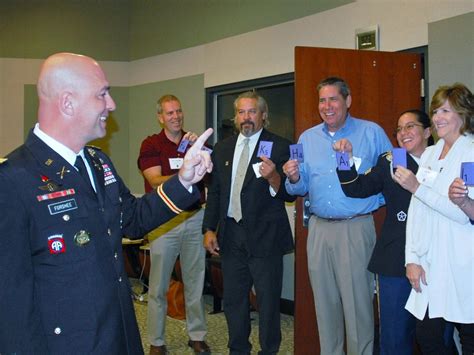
(338, 254)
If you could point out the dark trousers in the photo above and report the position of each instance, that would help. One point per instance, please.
(466, 334)
(240, 271)
(397, 325)
(435, 336)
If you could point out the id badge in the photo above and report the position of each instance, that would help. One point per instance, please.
(176, 163)
(426, 176)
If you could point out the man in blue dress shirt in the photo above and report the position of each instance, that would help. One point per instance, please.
(341, 229)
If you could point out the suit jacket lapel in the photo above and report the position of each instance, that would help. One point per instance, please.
(228, 158)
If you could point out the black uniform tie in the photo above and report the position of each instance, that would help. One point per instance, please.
(81, 167)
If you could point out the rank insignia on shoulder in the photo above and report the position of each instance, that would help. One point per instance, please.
(3, 160)
(56, 244)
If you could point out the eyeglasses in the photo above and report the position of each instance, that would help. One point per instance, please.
(408, 127)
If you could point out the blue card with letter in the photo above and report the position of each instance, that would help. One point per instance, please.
(399, 157)
(343, 161)
(467, 173)
(265, 149)
(296, 152)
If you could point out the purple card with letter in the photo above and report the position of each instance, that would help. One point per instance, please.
(343, 161)
(467, 173)
(183, 145)
(265, 149)
(399, 156)
(209, 150)
(296, 152)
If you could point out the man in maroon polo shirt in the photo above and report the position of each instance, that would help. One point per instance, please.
(161, 156)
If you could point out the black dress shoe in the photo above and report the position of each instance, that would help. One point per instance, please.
(199, 346)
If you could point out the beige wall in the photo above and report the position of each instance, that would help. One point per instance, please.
(451, 51)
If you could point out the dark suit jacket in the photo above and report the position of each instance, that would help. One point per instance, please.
(61, 294)
(388, 257)
(264, 217)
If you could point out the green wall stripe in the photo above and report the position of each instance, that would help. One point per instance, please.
(39, 28)
(124, 30)
(159, 27)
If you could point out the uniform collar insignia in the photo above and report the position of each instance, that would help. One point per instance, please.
(94, 158)
(62, 172)
(48, 162)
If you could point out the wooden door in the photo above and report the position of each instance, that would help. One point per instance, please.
(383, 85)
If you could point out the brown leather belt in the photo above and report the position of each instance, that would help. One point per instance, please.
(344, 219)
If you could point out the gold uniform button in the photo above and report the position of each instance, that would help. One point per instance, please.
(66, 217)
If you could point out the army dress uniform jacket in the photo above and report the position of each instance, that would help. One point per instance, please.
(63, 286)
(388, 256)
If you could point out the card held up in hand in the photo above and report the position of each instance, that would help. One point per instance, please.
(343, 161)
(265, 149)
(467, 173)
(183, 145)
(399, 157)
(296, 152)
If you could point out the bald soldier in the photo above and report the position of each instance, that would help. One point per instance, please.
(64, 210)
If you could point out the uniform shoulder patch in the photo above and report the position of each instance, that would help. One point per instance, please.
(388, 156)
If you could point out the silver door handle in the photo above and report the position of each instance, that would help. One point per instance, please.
(306, 212)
